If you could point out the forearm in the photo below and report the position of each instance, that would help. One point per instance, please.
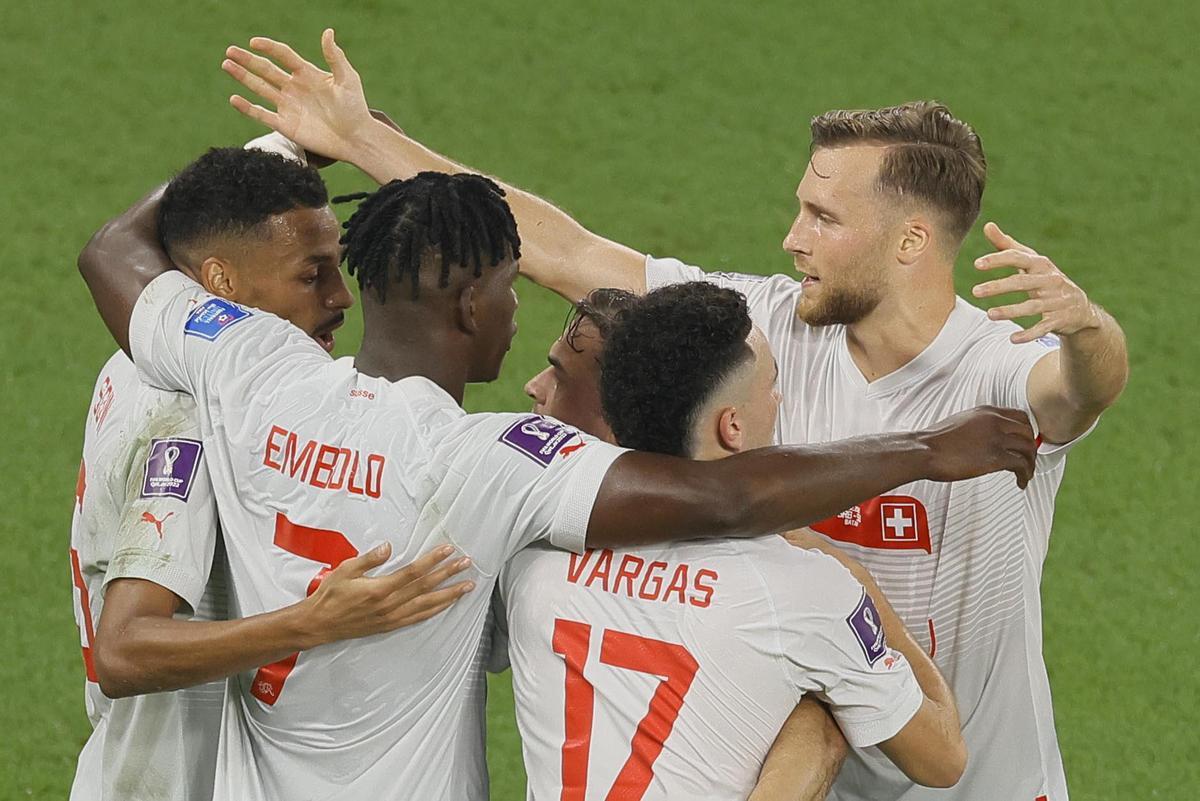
(121, 259)
(557, 252)
(153, 653)
(805, 758)
(749, 494)
(1094, 364)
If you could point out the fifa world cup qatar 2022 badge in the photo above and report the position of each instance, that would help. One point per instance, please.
(539, 438)
(868, 629)
(210, 319)
(171, 468)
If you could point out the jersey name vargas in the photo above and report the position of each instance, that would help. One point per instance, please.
(324, 466)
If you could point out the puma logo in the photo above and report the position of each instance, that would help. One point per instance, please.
(569, 449)
(158, 524)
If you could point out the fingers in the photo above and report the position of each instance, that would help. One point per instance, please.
(421, 584)
(1001, 240)
(360, 564)
(262, 67)
(419, 566)
(1024, 260)
(255, 112)
(1021, 282)
(1033, 333)
(281, 52)
(251, 81)
(431, 603)
(1015, 310)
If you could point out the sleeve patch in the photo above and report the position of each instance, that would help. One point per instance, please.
(171, 468)
(538, 437)
(211, 318)
(868, 629)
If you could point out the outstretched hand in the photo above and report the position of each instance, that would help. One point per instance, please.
(1063, 306)
(323, 112)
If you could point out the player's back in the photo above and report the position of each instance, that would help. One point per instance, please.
(158, 745)
(666, 671)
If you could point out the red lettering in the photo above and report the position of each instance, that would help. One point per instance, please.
(578, 563)
(350, 486)
(600, 571)
(272, 447)
(343, 459)
(326, 457)
(297, 463)
(630, 567)
(650, 574)
(678, 584)
(708, 590)
(374, 476)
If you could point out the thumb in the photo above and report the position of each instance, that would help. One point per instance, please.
(1001, 240)
(335, 57)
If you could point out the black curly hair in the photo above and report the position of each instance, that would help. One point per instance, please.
(230, 191)
(665, 357)
(463, 218)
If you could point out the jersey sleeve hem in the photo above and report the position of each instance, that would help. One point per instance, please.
(143, 322)
(569, 530)
(862, 732)
(140, 563)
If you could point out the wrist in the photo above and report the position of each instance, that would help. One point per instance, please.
(917, 451)
(368, 146)
(300, 626)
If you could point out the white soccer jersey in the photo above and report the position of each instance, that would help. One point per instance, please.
(312, 463)
(144, 509)
(667, 672)
(961, 562)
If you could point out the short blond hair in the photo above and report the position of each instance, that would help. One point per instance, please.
(931, 155)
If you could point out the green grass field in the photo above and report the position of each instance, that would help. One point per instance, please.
(682, 130)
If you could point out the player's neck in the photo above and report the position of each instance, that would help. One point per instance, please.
(898, 330)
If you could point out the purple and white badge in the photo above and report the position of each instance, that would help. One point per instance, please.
(538, 437)
(171, 468)
(868, 629)
(212, 317)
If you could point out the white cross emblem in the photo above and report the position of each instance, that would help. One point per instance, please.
(898, 518)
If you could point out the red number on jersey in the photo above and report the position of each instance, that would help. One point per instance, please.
(85, 606)
(572, 641)
(320, 545)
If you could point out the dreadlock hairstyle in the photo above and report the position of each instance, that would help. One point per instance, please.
(462, 218)
(601, 306)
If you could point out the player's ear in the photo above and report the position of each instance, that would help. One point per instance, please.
(465, 311)
(216, 276)
(731, 435)
(915, 240)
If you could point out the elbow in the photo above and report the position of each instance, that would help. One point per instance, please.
(114, 670)
(92, 255)
(946, 771)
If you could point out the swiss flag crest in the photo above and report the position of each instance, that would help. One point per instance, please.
(889, 522)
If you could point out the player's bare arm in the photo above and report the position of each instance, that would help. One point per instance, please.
(326, 112)
(648, 498)
(805, 758)
(930, 748)
(141, 647)
(121, 259)
(1068, 389)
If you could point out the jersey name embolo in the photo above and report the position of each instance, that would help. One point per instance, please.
(314, 463)
(961, 562)
(144, 510)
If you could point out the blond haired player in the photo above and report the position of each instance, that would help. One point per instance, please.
(873, 338)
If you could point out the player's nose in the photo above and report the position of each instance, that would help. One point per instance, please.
(341, 297)
(535, 388)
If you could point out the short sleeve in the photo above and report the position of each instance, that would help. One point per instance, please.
(167, 530)
(836, 649)
(183, 339)
(517, 479)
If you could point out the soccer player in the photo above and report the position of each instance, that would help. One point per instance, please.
(145, 551)
(873, 338)
(732, 633)
(313, 459)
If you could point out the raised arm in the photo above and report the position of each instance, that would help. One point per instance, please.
(804, 759)
(326, 112)
(647, 498)
(141, 647)
(1069, 388)
(121, 259)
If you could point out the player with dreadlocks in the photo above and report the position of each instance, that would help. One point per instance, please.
(314, 460)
